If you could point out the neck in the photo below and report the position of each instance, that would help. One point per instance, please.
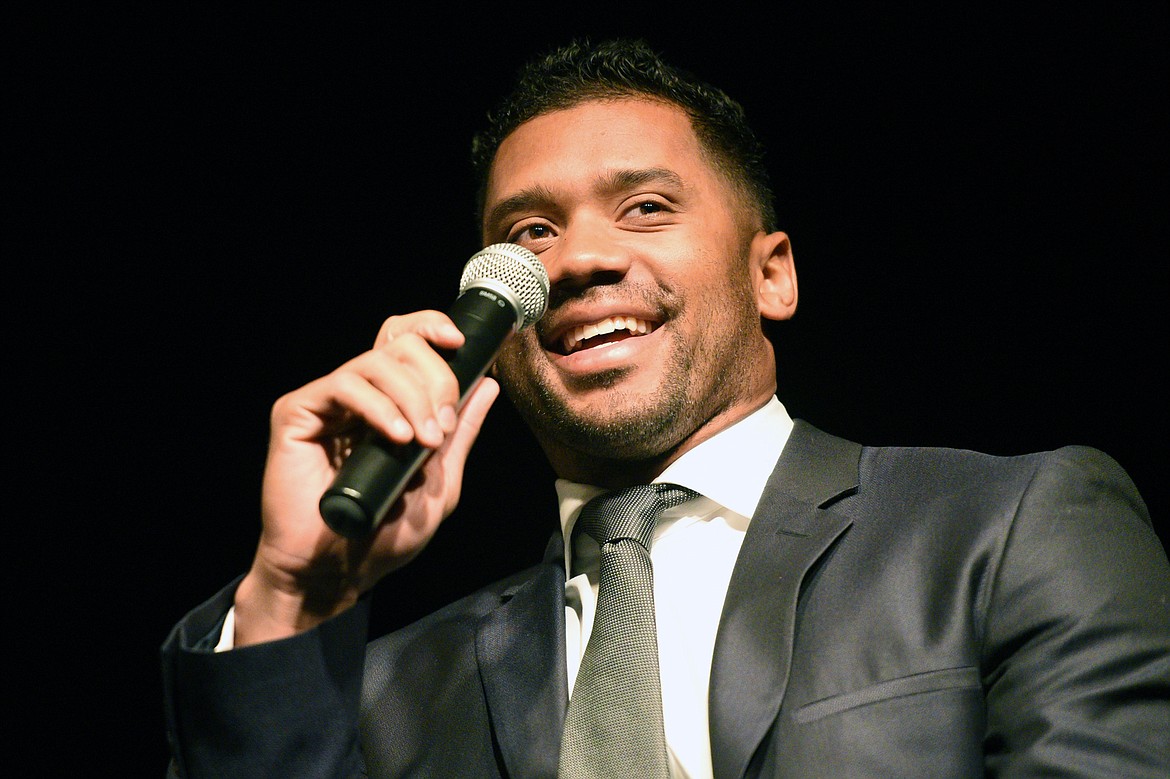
(616, 472)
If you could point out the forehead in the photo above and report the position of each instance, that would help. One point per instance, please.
(586, 141)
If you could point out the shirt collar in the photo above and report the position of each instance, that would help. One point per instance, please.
(731, 468)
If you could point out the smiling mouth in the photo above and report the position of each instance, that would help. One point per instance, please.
(605, 331)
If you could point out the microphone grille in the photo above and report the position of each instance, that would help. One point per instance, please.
(517, 270)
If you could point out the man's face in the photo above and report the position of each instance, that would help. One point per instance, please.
(652, 339)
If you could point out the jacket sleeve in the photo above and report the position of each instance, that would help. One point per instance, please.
(1076, 644)
(285, 708)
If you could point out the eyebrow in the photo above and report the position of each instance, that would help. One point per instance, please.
(622, 180)
(539, 197)
(529, 199)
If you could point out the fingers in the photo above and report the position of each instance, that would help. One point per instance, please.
(403, 388)
(471, 418)
(452, 455)
(433, 326)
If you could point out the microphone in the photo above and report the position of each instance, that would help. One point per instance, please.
(504, 288)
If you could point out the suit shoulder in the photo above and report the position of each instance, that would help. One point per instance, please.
(1070, 462)
(459, 615)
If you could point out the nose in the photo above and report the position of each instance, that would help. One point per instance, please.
(588, 254)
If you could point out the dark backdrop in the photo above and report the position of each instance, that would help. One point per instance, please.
(215, 205)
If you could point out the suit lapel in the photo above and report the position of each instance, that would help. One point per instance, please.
(791, 529)
(520, 647)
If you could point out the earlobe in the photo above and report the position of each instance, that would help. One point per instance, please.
(775, 275)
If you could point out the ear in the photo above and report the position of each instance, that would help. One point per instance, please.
(774, 274)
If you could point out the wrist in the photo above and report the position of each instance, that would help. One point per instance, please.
(269, 608)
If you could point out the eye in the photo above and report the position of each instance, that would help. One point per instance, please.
(646, 212)
(531, 234)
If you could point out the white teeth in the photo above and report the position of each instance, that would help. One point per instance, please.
(572, 339)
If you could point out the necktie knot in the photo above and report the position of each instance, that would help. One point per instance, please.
(630, 512)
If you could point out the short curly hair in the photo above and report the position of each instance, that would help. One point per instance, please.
(579, 72)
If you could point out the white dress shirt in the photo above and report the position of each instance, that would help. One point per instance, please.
(693, 552)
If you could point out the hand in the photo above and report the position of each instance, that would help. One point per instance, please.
(303, 572)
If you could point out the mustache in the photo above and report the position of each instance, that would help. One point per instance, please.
(638, 296)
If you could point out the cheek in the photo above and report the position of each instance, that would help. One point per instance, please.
(722, 302)
(514, 362)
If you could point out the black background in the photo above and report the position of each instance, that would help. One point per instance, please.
(214, 205)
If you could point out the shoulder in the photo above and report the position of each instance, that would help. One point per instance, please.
(1064, 500)
(1037, 526)
(459, 616)
(444, 641)
(1069, 476)
(823, 467)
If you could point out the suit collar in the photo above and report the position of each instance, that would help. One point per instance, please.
(792, 527)
(520, 648)
(815, 467)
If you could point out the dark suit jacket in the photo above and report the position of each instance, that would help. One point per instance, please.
(894, 612)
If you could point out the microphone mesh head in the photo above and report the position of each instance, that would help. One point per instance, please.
(517, 271)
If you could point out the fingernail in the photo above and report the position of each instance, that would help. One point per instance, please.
(447, 418)
(432, 431)
(401, 429)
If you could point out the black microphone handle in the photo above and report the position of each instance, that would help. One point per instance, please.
(377, 470)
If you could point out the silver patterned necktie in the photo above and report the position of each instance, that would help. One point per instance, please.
(613, 727)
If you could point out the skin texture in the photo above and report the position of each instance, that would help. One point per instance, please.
(630, 218)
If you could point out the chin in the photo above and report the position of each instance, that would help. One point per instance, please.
(621, 414)
(619, 428)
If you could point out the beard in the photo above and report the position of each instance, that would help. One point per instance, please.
(636, 427)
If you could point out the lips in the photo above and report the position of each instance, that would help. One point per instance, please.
(607, 330)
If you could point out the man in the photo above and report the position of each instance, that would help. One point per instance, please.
(821, 608)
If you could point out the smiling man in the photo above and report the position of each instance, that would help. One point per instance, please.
(661, 270)
(816, 607)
